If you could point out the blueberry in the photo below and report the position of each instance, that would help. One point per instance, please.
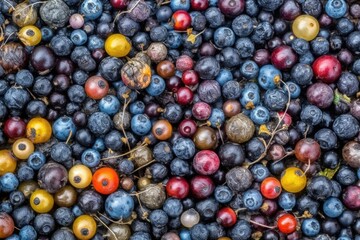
(184, 148)
(157, 86)
(245, 47)
(270, 5)
(310, 227)
(90, 158)
(28, 232)
(64, 216)
(140, 236)
(353, 41)
(229, 57)
(336, 8)
(294, 89)
(217, 118)
(250, 98)
(25, 172)
(207, 208)
(109, 105)
(269, 77)
(287, 201)
(36, 160)
(17, 198)
(162, 152)
(46, 33)
(223, 194)
(61, 45)
(214, 17)
(199, 232)
(91, 9)
(173, 207)
(158, 218)
(241, 230)
(8, 182)
(346, 176)
(333, 207)
(275, 100)
(306, 203)
(16, 98)
(326, 138)
(344, 26)
(320, 46)
(302, 74)
(180, 5)
(140, 124)
(24, 78)
(252, 199)
(64, 127)
(99, 123)
(95, 42)
(311, 115)
(259, 172)
(179, 167)
(207, 68)
(137, 107)
(242, 25)
(78, 37)
(249, 69)
(60, 152)
(164, 13)
(119, 205)
(127, 26)
(262, 33)
(300, 46)
(346, 126)
(319, 187)
(44, 224)
(348, 84)
(224, 37)
(174, 40)
(312, 7)
(225, 75)
(216, 231)
(307, 58)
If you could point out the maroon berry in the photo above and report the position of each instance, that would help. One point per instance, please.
(14, 128)
(283, 57)
(187, 128)
(231, 8)
(320, 95)
(201, 186)
(206, 162)
(327, 69)
(184, 96)
(201, 111)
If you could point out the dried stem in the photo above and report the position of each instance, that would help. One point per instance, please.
(106, 226)
(143, 166)
(127, 11)
(281, 118)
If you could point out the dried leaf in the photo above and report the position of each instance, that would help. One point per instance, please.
(329, 173)
(192, 38)
(189, 31)
(264, 129)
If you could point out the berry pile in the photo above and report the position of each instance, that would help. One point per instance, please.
(179, 119)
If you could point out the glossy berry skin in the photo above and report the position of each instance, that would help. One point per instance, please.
(140, 124)
(119, 205)
(119, 4)
(96, 87)
(105, 180)
(38, 130)
(187, 128)
(64, 127)
(231, 8)
(260, 115)
(269, 77)
(84, 227)
(199, 5)
(14, 127)
(190, 78)
(156, 86)
(252, 199)
(226, 217)
(7, 162)
(327, 69)
(201, 186)
(80, 176)
(162, 129)
(177, 187)
(206, 162)
(310, 227)
(184, 96)
(307, 150)
(336, 8)
(6, 225)
(305, 27)
(333, 207)
(30, 35)
(283, 57)
(109, 105)
(293, 180)
(181, 20)
(287, 223)
(41, 201)
(270, 188)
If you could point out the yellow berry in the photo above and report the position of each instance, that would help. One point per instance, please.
(116, 45)
(306, 27)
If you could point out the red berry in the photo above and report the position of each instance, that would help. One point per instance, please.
(173, 84)
(181, 20)
(231, 7)
(199, 5)
(327, 68)
(96, 87)
(270, 188)
(190, 78)
(226, 217)
(184, 62)
(14, 128)
(201, 111)
(177, 187)
(187, 128)
(184, 96)
(206, 162)
(283, 57)
(287, 223)
(307, 150)
(287, 119)
(119, 4)
(202, 186)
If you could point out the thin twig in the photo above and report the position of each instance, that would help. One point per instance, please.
(106, 226)
(127, 11)
(146, 164)
(281, 118)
